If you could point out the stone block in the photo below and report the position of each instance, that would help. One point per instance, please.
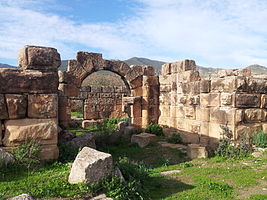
(69, 90)
(90, 166)
(194, 100)
(137, 122)
(179, 112)
(264, 101)
(164, 79)
(203, 114)
(215, 130)
(257, 85)
(227, 84)
(3, 107)
(69, 78)
(191, 76)
(247, 130)
(143, 139)
(188, 137)
(204, 99)
(166, 69)
(164, 110)
(148, 70)
(247, 100)
(42, 105)
(195, 151)
(205, 86)
(254, 115)
(150, 80)
(227, 99)
(204, 129)
(88, 123)
(165, 88)
(214, 99)
(138, 82)
(44, 131)
(29, 81)
(39, 58)
(190, 112)
(49, 152)
(17, 106)
(117, 66)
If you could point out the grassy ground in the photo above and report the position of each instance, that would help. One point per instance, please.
(212, 178)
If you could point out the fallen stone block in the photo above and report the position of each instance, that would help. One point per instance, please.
(84, 140)
(196, 151)
(90, 166)
(143, 139)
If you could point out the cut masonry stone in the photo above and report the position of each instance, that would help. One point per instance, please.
(90, 166)
(143, 139)
(42, 105)
(17, 106)
(44, 131)
(196, 151)
(39, 58)
(85, 140)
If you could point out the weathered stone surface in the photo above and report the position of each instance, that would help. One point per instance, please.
(90, 166)
(17, 105)
(85, 140)
(254, 115)
(49, 152)
(1, 136)
(196, 151)
(143, 139)
(227, 84)
(117, 66)
(29, 81)
(44, 131)
(3, 107)
(205, 86)
(247, 100)
(69, 90)
(40, 58)
(203, 114)
(6, 157)
(22, 197)
(42, 105)
(247, 130)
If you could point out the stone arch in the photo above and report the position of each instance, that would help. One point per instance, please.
(141, 80)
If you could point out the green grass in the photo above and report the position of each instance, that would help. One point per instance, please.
(47, 181)
(77, 114)
(203, 179)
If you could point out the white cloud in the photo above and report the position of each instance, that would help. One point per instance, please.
(231, 33)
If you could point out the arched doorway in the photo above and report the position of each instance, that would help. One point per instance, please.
(141, 81)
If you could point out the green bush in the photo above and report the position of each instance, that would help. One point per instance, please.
(154, 129)
(67, 152)
(27, 154)
(228, 149)
(175, 139)
(134, 187)
(77, 114)
(260, 139)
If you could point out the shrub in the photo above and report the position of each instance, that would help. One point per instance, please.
(228, 149)
(175, 139)
(260, 139)
(77, 114)
(154, 129)
(133, 187)
(67, 152)
(27, 154)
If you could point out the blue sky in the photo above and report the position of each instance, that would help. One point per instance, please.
(215, 33)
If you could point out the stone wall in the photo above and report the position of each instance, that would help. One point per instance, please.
(99, 102)
(141, 80)
(29, 101)
(198, 107)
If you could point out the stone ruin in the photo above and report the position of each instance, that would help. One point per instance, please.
(36, 98)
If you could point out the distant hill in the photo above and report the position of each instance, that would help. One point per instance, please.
(257, 69)
(144, 61)
(6, 66)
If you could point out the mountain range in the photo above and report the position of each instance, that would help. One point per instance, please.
(204, 71)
